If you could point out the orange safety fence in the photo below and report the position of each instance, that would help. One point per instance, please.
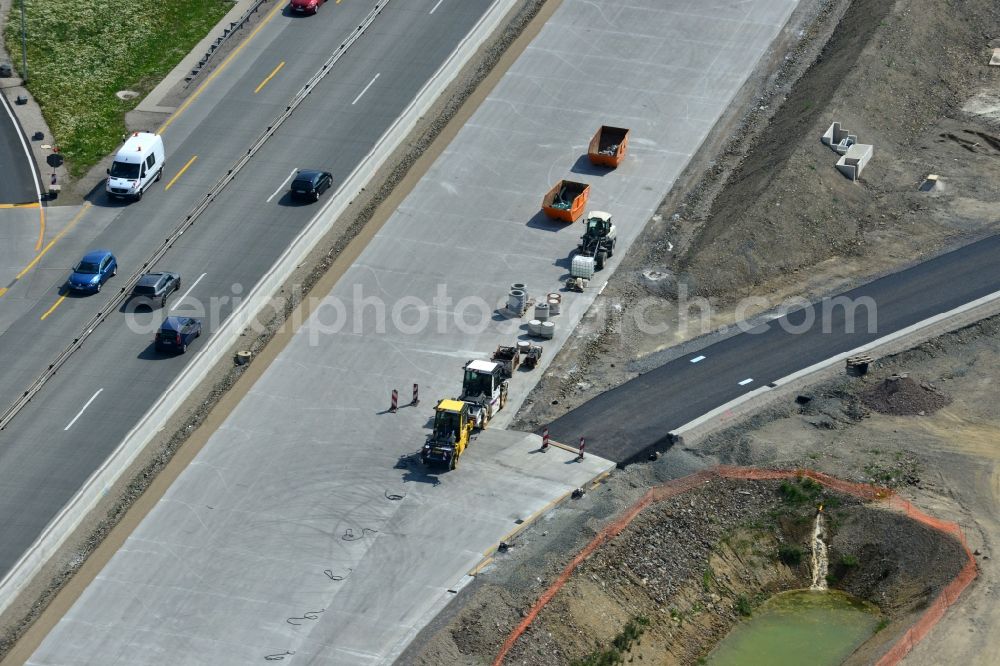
(902, 647)
(949, 595)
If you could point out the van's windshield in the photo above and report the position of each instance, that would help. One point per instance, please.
(124, 170)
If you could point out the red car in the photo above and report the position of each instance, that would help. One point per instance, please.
(305, 6)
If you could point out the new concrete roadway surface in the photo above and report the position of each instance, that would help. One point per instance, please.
(68, 430)
(309, 479)
(628, 422)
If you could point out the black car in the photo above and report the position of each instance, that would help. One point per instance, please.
(176, 333)
(309, 184)
(154, 288)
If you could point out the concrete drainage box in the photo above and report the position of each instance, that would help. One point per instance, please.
(854, 155)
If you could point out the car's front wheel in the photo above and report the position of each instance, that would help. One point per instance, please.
(98, 287)
(114, 271)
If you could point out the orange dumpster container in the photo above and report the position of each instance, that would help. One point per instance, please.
(566, 200)
(608, 146)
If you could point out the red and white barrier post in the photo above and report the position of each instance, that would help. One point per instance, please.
(395, 401)
(582, 443)
(545, 439)
(416, 396)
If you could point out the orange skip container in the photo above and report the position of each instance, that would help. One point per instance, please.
(566, 200)
(608, 147)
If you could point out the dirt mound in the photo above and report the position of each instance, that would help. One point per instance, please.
(902, 396)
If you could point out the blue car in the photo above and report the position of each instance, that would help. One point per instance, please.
(96, 268)
(176, 333)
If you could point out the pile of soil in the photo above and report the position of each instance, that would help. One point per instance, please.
(902, 396)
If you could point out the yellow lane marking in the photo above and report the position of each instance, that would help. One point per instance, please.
(3, 290)
(269, 77)
(49, 311)
(72, 223)
(180, 173)
(34, 204)
(41, 228)
(482, 565)
(277, 8)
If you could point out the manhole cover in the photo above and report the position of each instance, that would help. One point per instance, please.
(126, 94)
(655, 276)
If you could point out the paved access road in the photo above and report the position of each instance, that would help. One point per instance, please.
(19, 183)
(624, 424)
(82, 415)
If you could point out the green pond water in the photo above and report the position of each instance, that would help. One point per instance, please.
(798, 627)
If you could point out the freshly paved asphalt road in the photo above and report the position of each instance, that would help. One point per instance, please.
(17, 184)
(74, 423)
(625, 423)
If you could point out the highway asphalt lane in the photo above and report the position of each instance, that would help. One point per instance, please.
(18, 184)
(54, 444)
(626, 423)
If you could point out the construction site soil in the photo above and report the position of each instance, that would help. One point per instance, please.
(762, 213)
(690, 565)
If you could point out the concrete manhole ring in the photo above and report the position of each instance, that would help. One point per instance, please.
(126, 95)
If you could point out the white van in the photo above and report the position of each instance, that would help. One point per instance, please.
(138, 164)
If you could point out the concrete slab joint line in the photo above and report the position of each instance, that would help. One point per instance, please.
(71, 515)
(854, 156)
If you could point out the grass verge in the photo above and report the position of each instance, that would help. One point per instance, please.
(81, 53)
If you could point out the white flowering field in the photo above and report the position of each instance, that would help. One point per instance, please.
(80, 52)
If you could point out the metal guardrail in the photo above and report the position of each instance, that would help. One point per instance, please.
(188, 221)
(226, 34)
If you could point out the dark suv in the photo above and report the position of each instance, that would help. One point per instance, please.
(309, 184)
(154, 288)
(176, 333)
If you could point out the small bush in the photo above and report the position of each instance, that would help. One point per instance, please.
(810, 485)
(620, 644)
(707, 579)
(792, 493)
(800, 491)
(848, 561)
(743, 606)
(790, 554)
